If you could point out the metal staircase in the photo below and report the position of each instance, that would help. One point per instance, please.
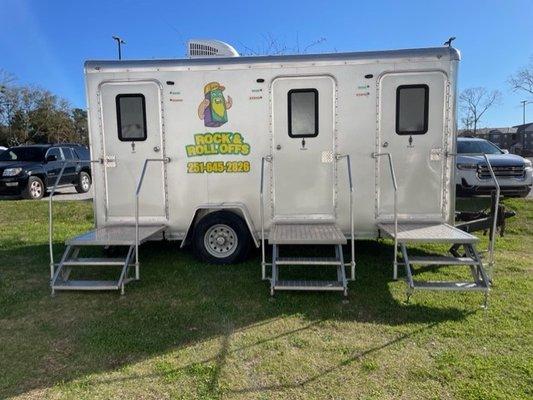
(411, 233)
(129, 236)
(102, 237)
(305, 233)
(308, 235)
(418, 232)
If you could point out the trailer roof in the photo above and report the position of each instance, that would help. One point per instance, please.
(446, 53)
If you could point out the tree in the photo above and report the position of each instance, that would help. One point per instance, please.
(272, 46)
(522, 80)
(474, 103)
(33, 115)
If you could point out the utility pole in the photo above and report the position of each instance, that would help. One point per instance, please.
(120, 42)
(524, 103)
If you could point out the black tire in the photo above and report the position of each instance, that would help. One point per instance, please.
(35, 189)
(84, 182)
(221, 237)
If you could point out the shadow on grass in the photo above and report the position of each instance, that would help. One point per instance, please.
(177, 303)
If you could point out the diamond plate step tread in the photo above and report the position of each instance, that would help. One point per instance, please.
(423, 232)
(442, 260)
(308, 285)
(86, 285)
(306, 234)
(452, 286)
(115, 235)
(308, 261)
(73, 262)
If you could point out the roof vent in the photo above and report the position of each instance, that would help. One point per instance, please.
(198, 48)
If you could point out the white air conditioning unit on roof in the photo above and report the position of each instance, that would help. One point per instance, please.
(199, 48)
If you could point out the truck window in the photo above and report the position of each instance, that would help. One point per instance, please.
(68, 153)
(303, 113)
(82, 153)
(55, 151)
(131, 117)
(412, 109)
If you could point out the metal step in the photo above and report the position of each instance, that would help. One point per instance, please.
(309, 285)
(450, 286)
(310, 234)
(119, 235)
(425, 232)
(442, 260)
(94, 261)
(308, 261)
(86, 285)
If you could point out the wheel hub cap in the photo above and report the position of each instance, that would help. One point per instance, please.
(35, 189)
(85, 182)
(220, 241)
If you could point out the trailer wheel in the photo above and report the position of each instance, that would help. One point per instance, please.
(221, 237)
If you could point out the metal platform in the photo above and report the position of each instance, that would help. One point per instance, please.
(115, 236)
(423, 232)
(471, 259)
(450, 286)
(102, 237)
(318, 234)
(308, 234)
(310, 285)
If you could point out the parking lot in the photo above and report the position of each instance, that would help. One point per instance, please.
(61, 194)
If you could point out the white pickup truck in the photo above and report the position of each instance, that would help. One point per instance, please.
(472, 177)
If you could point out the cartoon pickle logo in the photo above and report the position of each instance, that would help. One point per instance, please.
(213, 109)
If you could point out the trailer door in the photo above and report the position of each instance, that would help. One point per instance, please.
(303, 148)
(412, 128)
(132, 132)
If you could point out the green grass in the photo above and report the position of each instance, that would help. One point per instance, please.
(193, 331)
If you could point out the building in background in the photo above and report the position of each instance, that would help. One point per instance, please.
(524, 135)
(517, 139)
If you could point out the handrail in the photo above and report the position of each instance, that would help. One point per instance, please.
(494, 218)
(352, 229)
(395, 186)
(492, 239)
(50, 213)
(262, 212)
(165, 160)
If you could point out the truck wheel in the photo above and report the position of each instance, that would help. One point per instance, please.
(34, 190)
(84, 183)
(221, 237)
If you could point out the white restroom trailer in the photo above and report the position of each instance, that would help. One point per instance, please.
(210, 123)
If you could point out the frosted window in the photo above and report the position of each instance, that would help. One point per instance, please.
(303, 113)
(412, 109)
(131, 115)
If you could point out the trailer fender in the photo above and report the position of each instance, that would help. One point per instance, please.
(203, 209)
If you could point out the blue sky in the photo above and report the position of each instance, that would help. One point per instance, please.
(46, 42)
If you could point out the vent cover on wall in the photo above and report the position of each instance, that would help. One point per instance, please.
(198, 48)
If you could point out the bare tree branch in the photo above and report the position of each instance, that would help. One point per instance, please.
(474, 103)
(522, 80)
(271, 45)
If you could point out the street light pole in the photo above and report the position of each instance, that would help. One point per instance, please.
(120, 42)
(524, 103)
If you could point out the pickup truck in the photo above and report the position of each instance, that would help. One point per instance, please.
(472, 176)
(31, 171)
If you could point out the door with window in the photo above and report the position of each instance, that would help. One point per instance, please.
(303, 145)
(71, 168)
(412, 124)
(132, 133)
(54, 162)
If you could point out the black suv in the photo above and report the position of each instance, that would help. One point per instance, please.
(29, 171)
